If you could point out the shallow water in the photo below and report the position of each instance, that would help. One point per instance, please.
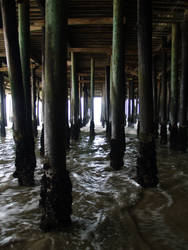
(110, 210)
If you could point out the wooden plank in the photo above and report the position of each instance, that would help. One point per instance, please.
(90, 21)
(2, 54)
(84, 21)
(88, 81)
(3, 69)
(86, 74)
(102, 50)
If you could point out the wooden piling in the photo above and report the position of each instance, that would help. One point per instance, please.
(92, 124)
(38, 101)
(85, 102)
(80, 103)
(155, 94)
(3, 107)
(24, 44)
(118, 88)
(56, 188)
(129, 105)
(146, 162)
(34, 98)
(163, 123)
(25, 156)
(107, 101)
(132, 105)
(75, 128)
(183, 87)
(174, 88)
(43, 94)
(103, 107)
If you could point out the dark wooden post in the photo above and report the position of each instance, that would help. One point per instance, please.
(92, 124)
(129, 105)
(103, 106)
(56, 198)
(163, 131)
(24, 43)
(34, 98)
(174, 88)
(137, 105)
(146, 163)
(3, 107)
(107, 101)
(43, 94)
(183, 86)
(75, 128)
(80, 102)
(25, 156)
(118, 88)
(132, 104)
(85, 102)
(159, 94)
(38, 101)
(68, 128)
(155, 91)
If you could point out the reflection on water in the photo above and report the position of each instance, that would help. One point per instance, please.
(110, 210)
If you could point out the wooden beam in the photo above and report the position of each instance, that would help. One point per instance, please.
(102, 50)
(41, 4)
(96, 81)
(35, 28)
(106, 50)
(3, 69)
(88, 74)
(90, 21)
(83, 21)
(3, 54)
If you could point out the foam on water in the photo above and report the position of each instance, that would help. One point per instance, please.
(110, 210)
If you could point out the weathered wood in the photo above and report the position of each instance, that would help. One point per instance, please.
(24, 44)
(163, 124)
(96, 81)
(3, 69)
(107, 101)
(75, 128)
(80, 102)
(129, 105)
(155, 95)
(85, 102)
(146, 162)
(92, 124)
(183, 87)
(34, 98)
(38, 101)
(118, 88)
(104, 50)
(90, 21)
(103, 106)
(84, 21)
(88, 74)
(137, 107)
(159, 98)
(3, 106)
(25, 157)
(132, 104)
(41, 4)
(43, 93)
(56, 197)
(174, 88)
